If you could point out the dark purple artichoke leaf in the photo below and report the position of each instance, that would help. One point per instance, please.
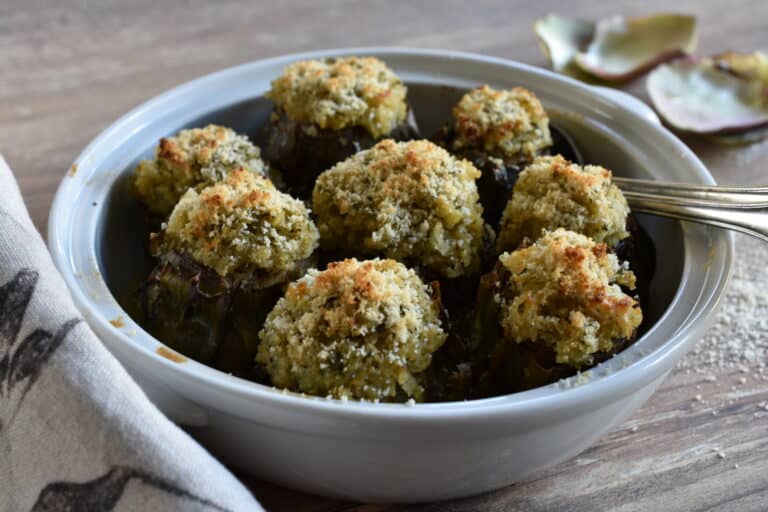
(640, 251)
(614, 48)
(184, 305)
(725, 94)
(212, 319)
(448, 376)
(251, 302)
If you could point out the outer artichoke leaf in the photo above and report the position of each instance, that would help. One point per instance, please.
(176, 310)
(746, 65)
(710, 95)
(562, 39)
(625, 48)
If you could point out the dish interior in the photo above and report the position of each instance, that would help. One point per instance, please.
(122, 252)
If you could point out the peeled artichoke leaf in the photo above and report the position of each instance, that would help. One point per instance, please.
(746, 65)
(699, 96)
(624, 48)
(562, 39)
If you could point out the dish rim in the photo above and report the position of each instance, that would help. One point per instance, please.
(611, 385)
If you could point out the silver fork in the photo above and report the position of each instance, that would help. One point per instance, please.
(743, 209)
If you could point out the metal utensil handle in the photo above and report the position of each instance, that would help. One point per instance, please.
(683, 193)
(750, 220)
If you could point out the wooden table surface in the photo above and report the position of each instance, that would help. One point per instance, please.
(69, 68)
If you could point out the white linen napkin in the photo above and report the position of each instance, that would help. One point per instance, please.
(76, 432)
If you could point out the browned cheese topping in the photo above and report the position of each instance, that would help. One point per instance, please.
(564, 291)
(360, 329)
(553, 193)
(241, 224)
(510, 124)
(410, 201)
(342, 92)
(193, 159)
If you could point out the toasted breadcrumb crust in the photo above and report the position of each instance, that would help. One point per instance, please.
(360, 329)
(553, 192)
(241, 225)
(510, 124)
(193, 158)
(409, 201)
(564, 291)
(342, 92)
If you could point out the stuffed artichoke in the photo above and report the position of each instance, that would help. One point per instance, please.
(193, 158)
(499, 131)
(359, 329)
(552, 192)
(225, 255)
(409, 201)
(550, 309)
(327, 110)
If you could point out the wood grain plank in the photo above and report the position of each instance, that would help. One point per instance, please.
(70, 68)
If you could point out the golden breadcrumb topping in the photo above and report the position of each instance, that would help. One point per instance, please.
(360, 329)
(193, 158)
(240, 225)
(564, 291)
(553, 192)
(342, 92)
(410, 201)
(510, 123)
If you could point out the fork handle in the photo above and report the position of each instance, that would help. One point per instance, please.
(694, 195)
(743, 209)
(745, 219)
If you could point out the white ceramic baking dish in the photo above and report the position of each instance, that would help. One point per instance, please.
(388, 452)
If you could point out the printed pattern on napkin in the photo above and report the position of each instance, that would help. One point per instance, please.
(76, 433)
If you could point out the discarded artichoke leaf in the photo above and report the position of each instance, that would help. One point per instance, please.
(713, 95)
(561, 40)
(745, 65)
(625, 48)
